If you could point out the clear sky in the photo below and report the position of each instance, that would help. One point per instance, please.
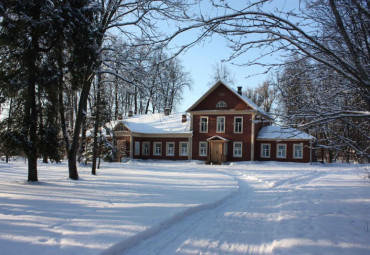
(201, 59)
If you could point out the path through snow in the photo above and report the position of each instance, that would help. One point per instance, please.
(289, 215)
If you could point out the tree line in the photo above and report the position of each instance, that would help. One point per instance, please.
(59, 57)
(62, 66)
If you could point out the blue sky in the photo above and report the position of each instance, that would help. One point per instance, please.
(199, 60)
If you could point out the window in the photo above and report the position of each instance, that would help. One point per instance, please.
(183, 148)
(221, 104)
(220, 125)
(170, 149)
(202, 149)
(121, 127)
(146, 148)
(238, 125)
(203, 124)
(281, 151)
(265, 150)
(157, 149)
(137, 148)
(238, 149)
(297, 151)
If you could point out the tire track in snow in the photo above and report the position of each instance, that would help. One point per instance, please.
(213, 231)
(245, 223)
(300, 179)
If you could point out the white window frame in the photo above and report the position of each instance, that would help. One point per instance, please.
(262, 150)
(137, 148)
(200, 149)
(277, 150)
(144, 147)
(294, 150)
(200, 124)
(241, 150)
(187, 149)
(217, 126)
(155, 148)
(167, 149)
(241, 125)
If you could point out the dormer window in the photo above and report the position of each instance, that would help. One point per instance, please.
(221, 104)
(121, 127)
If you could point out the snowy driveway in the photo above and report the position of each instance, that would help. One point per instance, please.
(185, 208)
(276, 211)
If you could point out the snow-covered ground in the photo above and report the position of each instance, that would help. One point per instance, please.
(164, 207)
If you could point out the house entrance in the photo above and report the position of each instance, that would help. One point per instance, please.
(216, 152)
(218, 149)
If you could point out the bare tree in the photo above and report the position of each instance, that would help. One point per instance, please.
(221, 72)
(332, 33)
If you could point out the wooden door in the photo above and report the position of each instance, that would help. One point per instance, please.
(216, 152)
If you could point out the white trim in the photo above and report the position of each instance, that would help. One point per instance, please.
(200, 124)
(219, 118)
(131, 147)
(172, 135)
(222, 112)
(180, 148)
(143, 148)
(154, 148)
(202, 142)
(137, 148)
(238, 117)
(190, 148)
(218, 137)
(269, 150)
(252, 136)
(241, 150)
(277, 150)
(167, 147)
(297, 144)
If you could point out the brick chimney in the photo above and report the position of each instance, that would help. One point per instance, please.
(166, 111)
(240, 90)
(183, 120)
(130, 113)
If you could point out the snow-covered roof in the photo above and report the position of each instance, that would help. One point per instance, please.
(277, 132)
(157, 123)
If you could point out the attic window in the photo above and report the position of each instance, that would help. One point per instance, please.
(221, 104)
(121, 127)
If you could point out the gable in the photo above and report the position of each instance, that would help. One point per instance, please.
(220, 97)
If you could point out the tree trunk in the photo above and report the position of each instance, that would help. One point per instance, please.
(31, 109)
(72, 153)
(42, 130)
(96, 126)
(116, 100)
(135, 101)
(9, 125)
(83, 134)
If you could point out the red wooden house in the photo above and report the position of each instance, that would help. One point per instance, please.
(223, 125)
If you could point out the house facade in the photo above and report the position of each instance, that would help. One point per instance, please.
(222, 126)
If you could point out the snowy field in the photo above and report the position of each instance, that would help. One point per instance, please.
(164, 207)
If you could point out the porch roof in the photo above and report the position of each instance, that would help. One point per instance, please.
(217, 137)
